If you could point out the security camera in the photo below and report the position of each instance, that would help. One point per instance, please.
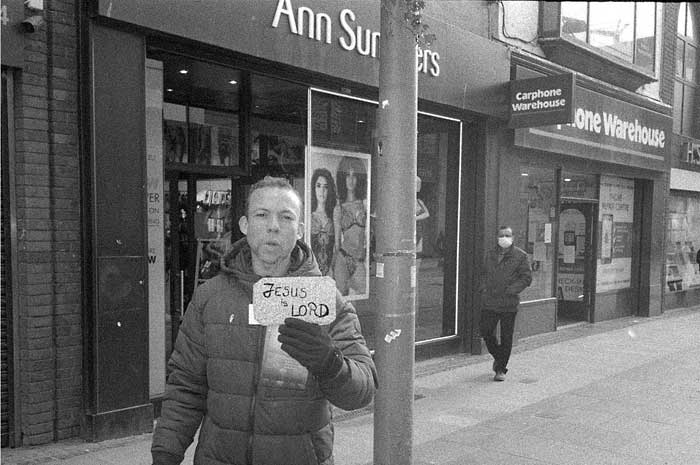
(32, 24)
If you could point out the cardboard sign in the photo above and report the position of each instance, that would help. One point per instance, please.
(310, 299)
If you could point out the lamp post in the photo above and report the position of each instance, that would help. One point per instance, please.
(395, 167)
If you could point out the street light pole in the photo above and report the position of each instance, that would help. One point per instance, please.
(394, 166)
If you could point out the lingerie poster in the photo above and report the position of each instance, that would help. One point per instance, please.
(337, 193)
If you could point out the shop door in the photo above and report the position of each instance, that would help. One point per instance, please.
(199, 229)
(576, 263)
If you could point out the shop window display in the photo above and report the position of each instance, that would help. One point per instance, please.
(201, 112)
(616, 234)
(682, 243)
(536, 226)
(341, 129)
(278, 127)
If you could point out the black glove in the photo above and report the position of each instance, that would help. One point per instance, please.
(311, 346)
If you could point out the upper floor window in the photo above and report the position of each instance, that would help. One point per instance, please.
(625, 30)
(686, 44)
(685, 81)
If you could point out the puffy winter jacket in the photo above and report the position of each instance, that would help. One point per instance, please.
(215, 380)
(502, 282)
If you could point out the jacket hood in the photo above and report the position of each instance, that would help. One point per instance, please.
(239, 262)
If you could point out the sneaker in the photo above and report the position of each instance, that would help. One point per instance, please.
(500, 376)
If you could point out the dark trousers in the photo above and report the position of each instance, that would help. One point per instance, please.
(487, 327)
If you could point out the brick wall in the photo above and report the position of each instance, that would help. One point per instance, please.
(668, 54)
(48, 229)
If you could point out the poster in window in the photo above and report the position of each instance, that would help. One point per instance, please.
(175, 141)
(606, 239)
(337, 207)
(616, 211)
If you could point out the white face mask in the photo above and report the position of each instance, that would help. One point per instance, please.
(505, 242)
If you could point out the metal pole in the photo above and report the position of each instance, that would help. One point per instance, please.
(395, 187)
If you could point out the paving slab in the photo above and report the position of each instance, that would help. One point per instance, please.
(624, 392)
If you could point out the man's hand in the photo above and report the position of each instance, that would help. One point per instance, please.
(311, 346)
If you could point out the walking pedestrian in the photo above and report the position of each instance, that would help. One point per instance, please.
(252, 409)
(505, 273)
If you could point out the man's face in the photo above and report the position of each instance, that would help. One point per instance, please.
(507, 232)
(272, 225)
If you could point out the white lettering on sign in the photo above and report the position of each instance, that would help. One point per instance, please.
(319, 27)
(617, 127)
(539, 100)
(311, 299)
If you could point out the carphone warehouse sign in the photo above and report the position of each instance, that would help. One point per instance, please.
(542, 101)
(605, 129)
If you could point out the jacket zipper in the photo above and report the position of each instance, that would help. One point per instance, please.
(256, 379)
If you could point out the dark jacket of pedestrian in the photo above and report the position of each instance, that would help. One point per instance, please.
(215, 379)
(504, 278)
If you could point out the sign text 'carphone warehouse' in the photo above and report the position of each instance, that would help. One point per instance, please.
(319, 27)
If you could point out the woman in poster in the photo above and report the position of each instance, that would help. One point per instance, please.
(350, 222)
(323, 202)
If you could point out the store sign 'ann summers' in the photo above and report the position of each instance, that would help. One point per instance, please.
(319, 27)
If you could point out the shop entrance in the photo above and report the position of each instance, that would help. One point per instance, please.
(576, 262)
(201, 213)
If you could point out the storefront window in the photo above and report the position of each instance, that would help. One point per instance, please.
(436, 235)
(616, 233)
(682, 242)
(201, 112)
(278, 128)
(341, 123)
(624, 30)
(536, 226)
(341, 141)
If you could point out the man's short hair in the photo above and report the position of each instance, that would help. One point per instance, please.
(280, 183)
(501, 228)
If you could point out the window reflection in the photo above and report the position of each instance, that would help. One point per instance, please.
(680, 56)
(625, 30)
(574, 20)
(535, 227)
(612, 28)
(691, 53)
(680, 29)
(200, 112)
(690, 24)
(645, 42)
(341, 123)
(345, 125)
(278, 127)
(682, 243)
(685, 72)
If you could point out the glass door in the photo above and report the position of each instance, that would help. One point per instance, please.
(198, 232)
(576, 263)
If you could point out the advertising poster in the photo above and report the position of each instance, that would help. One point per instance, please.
(571, 255)
(570, 282)
(337, 211)
(156, 216)
(616, 215)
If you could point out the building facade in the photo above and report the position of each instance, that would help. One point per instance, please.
(133, 131)
(683, 204)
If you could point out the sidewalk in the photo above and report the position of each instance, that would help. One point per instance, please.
(623, 392)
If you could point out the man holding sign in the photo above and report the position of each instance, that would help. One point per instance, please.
(261, 393)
